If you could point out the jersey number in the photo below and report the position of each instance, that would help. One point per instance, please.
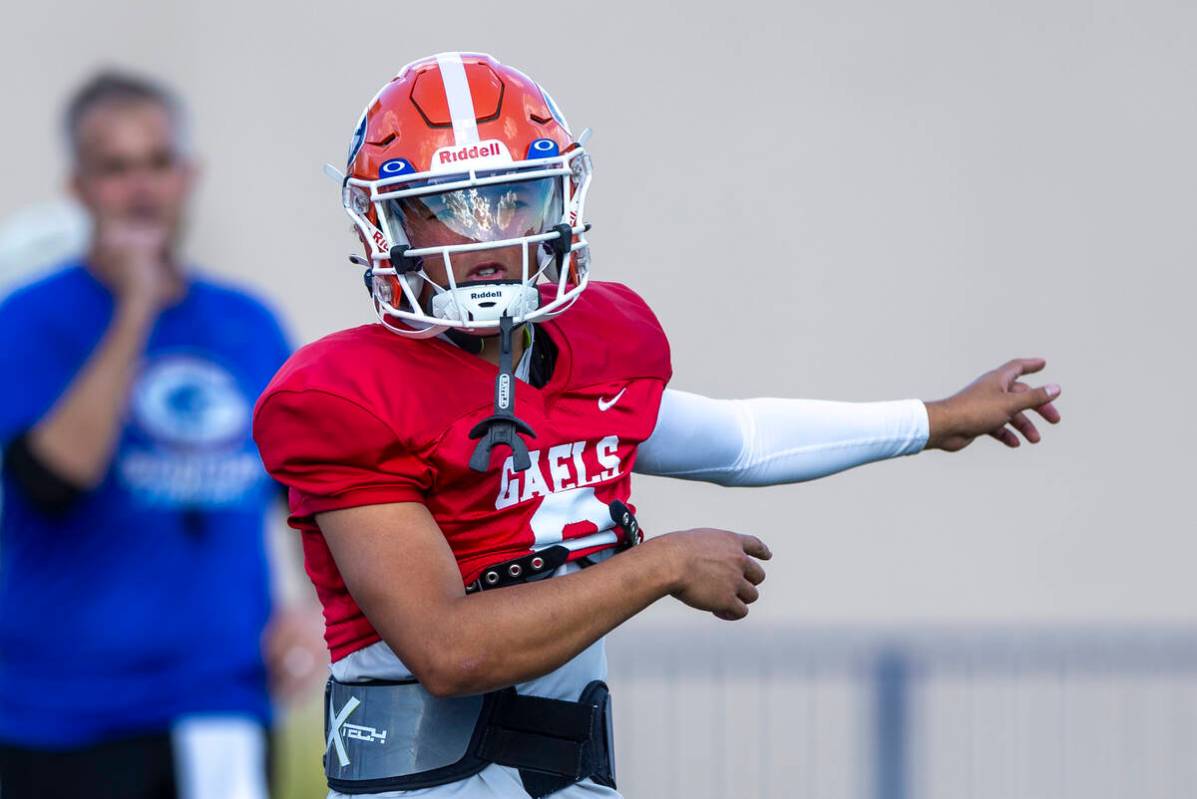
(563, 508)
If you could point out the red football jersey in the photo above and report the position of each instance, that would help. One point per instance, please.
(365, 417)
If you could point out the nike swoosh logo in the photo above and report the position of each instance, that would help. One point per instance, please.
(605, 404)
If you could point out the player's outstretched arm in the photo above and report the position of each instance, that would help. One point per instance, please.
(399, 568)
(767, 441)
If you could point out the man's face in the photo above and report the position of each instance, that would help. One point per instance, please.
(128, 169)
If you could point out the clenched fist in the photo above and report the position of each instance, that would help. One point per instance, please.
(717, 570)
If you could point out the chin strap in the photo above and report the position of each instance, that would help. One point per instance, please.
(502, 427)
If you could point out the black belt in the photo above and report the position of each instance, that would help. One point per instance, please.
(544, 562)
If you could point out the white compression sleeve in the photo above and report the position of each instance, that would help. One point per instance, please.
(757, 442)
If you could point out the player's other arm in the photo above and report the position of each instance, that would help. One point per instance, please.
(399, 568)
(771, 441)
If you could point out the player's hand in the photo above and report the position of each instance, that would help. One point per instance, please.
(718, 570)
(991, 405)
(131, 255)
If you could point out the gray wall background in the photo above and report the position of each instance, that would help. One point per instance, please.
(862, 199)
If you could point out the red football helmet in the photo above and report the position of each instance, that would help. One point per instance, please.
(466, 188)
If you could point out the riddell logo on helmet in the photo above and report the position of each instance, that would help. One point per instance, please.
(491, 150)
(485, 295)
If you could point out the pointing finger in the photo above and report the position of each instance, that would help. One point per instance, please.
(1020, 366)
(1031, 365)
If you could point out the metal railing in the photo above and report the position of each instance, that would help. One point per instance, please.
(741, 711)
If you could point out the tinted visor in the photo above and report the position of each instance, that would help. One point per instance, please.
(480, 214)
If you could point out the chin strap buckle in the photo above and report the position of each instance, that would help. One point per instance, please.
(563, 243)
(403, 263)
(502, 427)
(561, 246)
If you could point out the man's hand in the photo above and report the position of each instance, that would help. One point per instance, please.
(990, 403)
(718, 570)
(293, 647)
(131, 258)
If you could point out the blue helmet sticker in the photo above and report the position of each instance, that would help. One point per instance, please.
(543, 148)
(395, 166)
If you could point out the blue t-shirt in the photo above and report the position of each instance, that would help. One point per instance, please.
(147, 599)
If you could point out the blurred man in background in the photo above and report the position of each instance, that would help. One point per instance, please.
(137, 643)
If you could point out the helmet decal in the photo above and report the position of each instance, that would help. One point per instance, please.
(458, 97)
(395, 166)
(484, 153)
(543, 148)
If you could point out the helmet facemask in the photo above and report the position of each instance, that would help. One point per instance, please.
(430, 233)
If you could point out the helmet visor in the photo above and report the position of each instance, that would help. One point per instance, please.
(479, 214)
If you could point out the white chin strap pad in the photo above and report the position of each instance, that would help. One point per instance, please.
(485, 302)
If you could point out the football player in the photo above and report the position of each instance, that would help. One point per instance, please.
(461, 472)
